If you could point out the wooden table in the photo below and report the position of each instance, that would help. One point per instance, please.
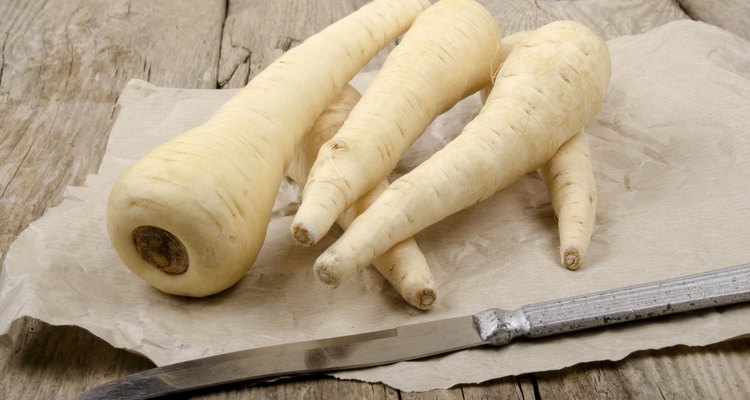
(62, 66)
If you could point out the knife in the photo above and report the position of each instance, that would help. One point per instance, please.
(408, 342)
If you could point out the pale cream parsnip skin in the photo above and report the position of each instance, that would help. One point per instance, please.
(404, 265)
(569, 178)
(506, 46)
(190, 216)
(450, 52)
(548, 88)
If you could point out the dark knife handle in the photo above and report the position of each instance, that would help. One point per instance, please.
(709, 289)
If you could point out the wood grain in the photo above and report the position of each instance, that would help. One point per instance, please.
(62, 66)
(510, 388)
(60, 362)
(326, 388)
(732, 15)
(712, 372)
(255, 34)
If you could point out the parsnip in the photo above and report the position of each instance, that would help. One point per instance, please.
(190, 216)
(507, 45)
(548, 88)
(404, 265)
(569, 177)
(451, 51)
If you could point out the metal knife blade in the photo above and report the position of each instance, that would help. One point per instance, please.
(493, 326)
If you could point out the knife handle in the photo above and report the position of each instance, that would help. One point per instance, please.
(709, 289)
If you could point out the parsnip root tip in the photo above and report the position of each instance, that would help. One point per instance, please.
(323, 272)
(425, 299)
(571, 258)
(303, 235)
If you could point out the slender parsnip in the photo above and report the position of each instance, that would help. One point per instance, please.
(451, 51)
(191, 215)
(569, 178)
(548, 88)
(404, 265)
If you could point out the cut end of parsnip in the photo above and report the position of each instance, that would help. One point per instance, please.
(161, 249)
(214, 186)
(303, 235)
(571, 258)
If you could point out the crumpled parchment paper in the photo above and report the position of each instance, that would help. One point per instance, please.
(672, 156)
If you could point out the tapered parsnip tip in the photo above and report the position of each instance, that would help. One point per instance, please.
(303, 235)
(324, 269)
(571, 258)
(413, 281)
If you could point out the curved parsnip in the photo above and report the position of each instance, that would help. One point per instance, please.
(569, 177)
(547, 89)
(450, 52)
(404, 265)
(190, 216)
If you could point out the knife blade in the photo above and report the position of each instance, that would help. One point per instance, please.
(489, 327)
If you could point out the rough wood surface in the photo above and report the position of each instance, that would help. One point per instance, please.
(60, 362)
(62, 65)
(713, 372)
(256, 34)
(510, 388)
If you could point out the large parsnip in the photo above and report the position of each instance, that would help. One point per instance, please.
(403, 265)
(190, 217)
(547, 90)
(450, 52)
(569, 178)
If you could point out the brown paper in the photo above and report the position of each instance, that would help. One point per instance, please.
(672, 157)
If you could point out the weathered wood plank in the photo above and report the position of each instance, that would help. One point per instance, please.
(510, 388)
(63, 65)
(257, 32)
(315, 387)
(321, 388)
(732, 15)
(449, 394)
(712, 372)
(60, 363)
